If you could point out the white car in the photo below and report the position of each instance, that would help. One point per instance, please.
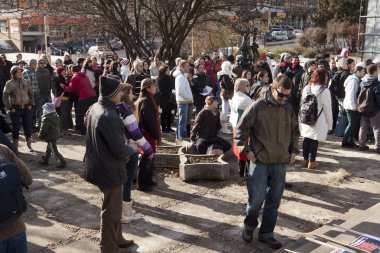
(99, 52)
(298, 32)
(279, 35)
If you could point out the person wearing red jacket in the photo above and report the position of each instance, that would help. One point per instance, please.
(87, 96)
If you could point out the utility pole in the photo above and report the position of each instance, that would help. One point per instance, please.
(47, 38)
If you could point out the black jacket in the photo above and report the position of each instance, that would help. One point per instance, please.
(200, 82)
(106, 152)
(165, 85)
(337, 84)
(148, 119)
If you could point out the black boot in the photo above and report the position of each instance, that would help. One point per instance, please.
(44, 161)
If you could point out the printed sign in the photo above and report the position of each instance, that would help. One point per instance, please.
(367, 243)
(14, 25)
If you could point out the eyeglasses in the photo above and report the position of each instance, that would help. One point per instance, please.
(282, 95)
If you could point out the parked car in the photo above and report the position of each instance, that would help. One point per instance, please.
(73, 49)
(58, 49)
(268, 37)
(277, 28)
(298, 32)
(291, 34)
(280, 35)
(99, 52)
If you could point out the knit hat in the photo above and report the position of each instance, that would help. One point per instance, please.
(48, 108)
(125, 61)
(66, 53)
(146, 83)
(342, 63)
(309, 63)
(59, 70)
(14, 69)
(177, 61)
(239, 58)
(109, 87)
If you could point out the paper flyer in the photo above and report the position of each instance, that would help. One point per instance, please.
(341, 251)
(367, 243)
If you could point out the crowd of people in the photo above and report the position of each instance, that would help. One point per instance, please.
(124, 108)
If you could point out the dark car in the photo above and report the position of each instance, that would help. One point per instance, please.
(58, 49)
(268, 37)
(76, 48)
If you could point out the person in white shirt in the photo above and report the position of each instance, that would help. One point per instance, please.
(350, 104)
(184, 98)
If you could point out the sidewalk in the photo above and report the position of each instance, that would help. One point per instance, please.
(63, 215)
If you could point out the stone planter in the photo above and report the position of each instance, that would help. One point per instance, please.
(202, 167)
(167, 157)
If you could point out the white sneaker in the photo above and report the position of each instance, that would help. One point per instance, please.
(129, 214)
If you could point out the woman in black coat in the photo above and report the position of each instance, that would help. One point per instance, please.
(166, 85)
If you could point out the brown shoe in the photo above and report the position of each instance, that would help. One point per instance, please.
(125, 244)
(312, 165)
(305, 163)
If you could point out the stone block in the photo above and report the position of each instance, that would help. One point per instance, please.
(203, 167)
(167, 157)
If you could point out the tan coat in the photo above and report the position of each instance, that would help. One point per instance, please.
(17, 92)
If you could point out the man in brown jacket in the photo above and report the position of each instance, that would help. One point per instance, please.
(271, 127)
(18, 100)
(206, 129)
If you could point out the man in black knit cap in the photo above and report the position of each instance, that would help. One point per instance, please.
(104, 162)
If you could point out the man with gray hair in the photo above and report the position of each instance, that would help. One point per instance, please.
(29, 74)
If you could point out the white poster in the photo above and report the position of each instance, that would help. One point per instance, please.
(14, 25)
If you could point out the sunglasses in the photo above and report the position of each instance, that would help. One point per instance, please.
(282, 95)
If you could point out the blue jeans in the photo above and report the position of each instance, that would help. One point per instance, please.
(24, 115)
(264, 182)
(182, 121)
(309, 148)
(41, 101)
(15, 244)
(131, 167)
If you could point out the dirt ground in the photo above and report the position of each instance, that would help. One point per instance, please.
(203, 216)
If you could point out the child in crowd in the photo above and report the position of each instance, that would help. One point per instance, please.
(50, 132)
(148, 119)
(132, 133)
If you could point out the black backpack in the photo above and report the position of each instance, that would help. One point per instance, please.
(334, 85)
(308, 113)
(366, 100)
(12, 200)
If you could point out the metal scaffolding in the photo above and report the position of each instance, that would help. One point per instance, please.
(370, 37)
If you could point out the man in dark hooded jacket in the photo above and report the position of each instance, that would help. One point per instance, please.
(104, 162)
